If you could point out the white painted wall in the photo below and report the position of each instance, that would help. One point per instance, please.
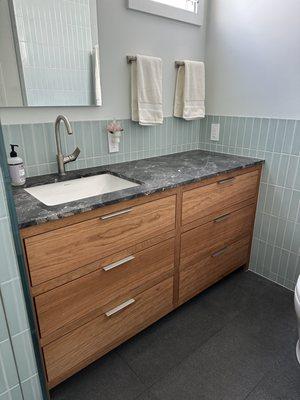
(122, 32)
(253, 58)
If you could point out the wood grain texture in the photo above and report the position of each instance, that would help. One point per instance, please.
(87, 269)
(199, 242)
(210, 199)
(89, 295)
(63, 250)
(209, 270)
(70, 353)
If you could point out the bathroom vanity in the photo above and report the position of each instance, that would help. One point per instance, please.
(104, 268)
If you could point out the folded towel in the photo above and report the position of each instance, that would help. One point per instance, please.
(146, 90)
(190, 91)
(96, 76)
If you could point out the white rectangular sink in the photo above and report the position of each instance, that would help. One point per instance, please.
(76, 189)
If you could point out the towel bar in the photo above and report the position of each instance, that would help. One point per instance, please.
(131, 59)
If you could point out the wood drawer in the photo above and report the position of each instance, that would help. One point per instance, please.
(211, 199)
(73, 351)
(87, 296)
(208, 238)
(209, 270)
(58, 252)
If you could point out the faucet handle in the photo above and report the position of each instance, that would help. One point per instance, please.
(73, 156)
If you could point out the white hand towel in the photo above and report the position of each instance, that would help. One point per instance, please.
(96, 76)
(190, 91)
(146, 90)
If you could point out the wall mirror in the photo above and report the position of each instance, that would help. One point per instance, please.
(49, 53)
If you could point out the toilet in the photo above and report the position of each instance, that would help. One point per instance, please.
(297, 308)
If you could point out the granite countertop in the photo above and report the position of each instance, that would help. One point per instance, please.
(154, 175)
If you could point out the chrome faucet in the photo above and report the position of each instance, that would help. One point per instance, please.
(62, 159)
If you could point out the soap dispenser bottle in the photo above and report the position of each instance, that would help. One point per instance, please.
(16, 167)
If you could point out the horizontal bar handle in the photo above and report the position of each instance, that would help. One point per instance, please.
(221, 218)
(119, 308)
(117, 263)
(116, 214)
(131, 59)
(225, 181)
(220, 252)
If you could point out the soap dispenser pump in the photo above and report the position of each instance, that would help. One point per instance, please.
(16, 167)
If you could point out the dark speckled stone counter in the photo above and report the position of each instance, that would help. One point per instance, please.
(154, 175)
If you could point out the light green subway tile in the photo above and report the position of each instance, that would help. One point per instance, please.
(31, 389)
(278, 195)
(8, 371)
(8, 264)
(272, 229)
(260, 256)
(248, 132)
(297, 177)
(286, 201)
(13, 394)
(274, 169)
(282, 169)
(23, 349)
(283, 265)
(3, 325)
(254, 253)
(265, 223)
(255, 133)
(291, 171)
(280, 233)
(263, 134)
(295, 246)
(267, 259)
(271, 137)
(294, 207)
(296, 139)
(288, 137)
(269, 198)
(280, 132)
(233, 131)
(288, 235)
(275, 260)
(29, 140)
(14, 305)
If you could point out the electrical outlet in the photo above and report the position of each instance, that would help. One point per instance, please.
(113, 143)
(215, 132)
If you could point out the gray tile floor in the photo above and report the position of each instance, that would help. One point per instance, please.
(234, 341)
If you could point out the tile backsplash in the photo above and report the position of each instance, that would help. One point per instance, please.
(38, 148)
(276, 244)
(275, 251)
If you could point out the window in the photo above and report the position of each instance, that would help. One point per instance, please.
(190, 11)
(189, 5)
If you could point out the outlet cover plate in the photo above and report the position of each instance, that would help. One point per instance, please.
(113, 146)
(215, 132)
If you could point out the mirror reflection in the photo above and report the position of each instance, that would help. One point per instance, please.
(49, 53)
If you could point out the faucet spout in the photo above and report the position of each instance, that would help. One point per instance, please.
(61, 158)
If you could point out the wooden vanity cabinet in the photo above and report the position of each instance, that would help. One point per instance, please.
(99, 277)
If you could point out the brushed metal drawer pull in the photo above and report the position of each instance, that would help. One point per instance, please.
(226, 181)
(117, 263)
(116, 214)
(220, 252)
(119, 308)
(221, 218)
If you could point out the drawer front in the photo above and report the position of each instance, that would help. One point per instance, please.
(210, 200)
(70, 353)
(63, 250)
(209, 270)
(208, 238)
(87, 296)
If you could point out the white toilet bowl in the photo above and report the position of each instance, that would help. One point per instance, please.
(297, 308)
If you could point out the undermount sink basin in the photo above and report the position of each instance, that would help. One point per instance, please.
(76, 189)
